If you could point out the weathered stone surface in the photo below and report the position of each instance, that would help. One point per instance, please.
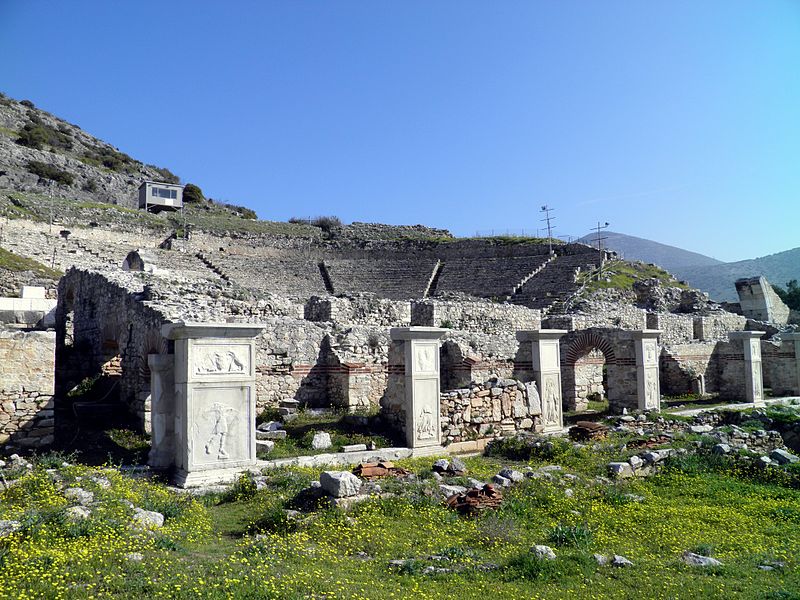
(340, 484)
(79, 495)
(321, 440)
(620, 470)
(698, 560)
(544, 552)
(621, 561)
(7, 527)
(78, 513)
(147, 519)
(782, 457)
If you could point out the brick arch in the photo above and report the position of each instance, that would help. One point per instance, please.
(586, 342)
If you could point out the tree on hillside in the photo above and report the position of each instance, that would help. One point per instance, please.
(790, 295)
(192, 193)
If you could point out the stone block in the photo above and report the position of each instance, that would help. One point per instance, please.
(340, 484)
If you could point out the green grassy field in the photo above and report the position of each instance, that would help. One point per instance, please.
(242, 544)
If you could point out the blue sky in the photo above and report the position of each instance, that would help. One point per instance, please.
(674, 121)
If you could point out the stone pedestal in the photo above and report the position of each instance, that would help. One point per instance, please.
(422, 402)
(751, 346)
(546, 358)
(792, 340)
(162, 410)
(214, 400)
(648, 388)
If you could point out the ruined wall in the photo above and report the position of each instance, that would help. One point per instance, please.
(760, 302)
(492, 409)
(602, 314)
(362, 309)
(471, 315)
(780, 367)
(681, 364)
(27, 367)
(675, 328)
(717, 326)
(105, 314)
(360, 357)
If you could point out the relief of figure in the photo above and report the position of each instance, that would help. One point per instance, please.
(534, 400)
(550, 413)
(220, 362)
(651, 354)
(756, 385)
(426, 426)
(222, 418)
(651, 395)
(426, 360)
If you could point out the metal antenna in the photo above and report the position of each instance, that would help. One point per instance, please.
(547, 210)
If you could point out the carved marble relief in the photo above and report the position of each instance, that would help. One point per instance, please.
(217, 360)
(534, 400)
(426, 424)
(651, 397)
(755, 350)
(425, 358)
(551, 401)
(758, 392)
(649, 353)
(220, 420)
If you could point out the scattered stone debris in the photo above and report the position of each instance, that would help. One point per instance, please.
(9, 527)
(698, 560)
(782, 457)
(454, 467)
(148, 519)
(79, 495)
(77, 513)
(588, 430)
(544, 552)
(340, 484)
(475, 500)
(377, 470)
(652, 442)
(321, 441)
(620, 561)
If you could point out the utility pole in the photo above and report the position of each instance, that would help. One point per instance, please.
(599, 239)
(547, 210)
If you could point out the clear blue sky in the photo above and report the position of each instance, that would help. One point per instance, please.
(674, 121)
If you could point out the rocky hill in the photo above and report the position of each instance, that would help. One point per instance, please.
(41, 153)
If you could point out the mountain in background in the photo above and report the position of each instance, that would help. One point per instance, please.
(703, 272)
(634, 248)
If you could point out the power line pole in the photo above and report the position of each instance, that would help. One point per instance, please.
(600, 239)
(547, 210)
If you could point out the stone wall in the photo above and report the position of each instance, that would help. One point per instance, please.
(675, 328)
(759, 301)
(681, 364)
(473, 315)
(717, 326)
(362, 309)
(780, 367)
(487, 410)
(27, 367)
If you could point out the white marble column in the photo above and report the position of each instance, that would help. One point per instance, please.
(422, 402)
(162, 410)
(753, 381)
(214, 400)
(546, 357)
(648, 387)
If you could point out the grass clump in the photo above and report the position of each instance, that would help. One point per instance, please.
(13, 262)
(620, 274)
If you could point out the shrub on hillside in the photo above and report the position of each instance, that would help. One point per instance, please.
(193, 194)
(27, 103)
(37, 135)
(300, 221)
(110, 159)
(49, 172)
(327, 224)
(165, 174)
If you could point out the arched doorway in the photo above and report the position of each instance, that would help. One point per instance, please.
(585, 365)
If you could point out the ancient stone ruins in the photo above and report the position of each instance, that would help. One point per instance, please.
(453, 342)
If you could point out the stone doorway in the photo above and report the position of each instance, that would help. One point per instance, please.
(586, 363)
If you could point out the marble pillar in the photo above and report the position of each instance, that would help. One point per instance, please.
(546, 356)
(162, 410)
(215, 401)
(423, 427)
(751, 349)
(648, 387)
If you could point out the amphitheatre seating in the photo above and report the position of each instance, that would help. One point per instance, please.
(556, 282)
(294, 277)
(398, 278)
(487, 277)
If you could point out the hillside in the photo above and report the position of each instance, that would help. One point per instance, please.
(671, 258)
(41, 153)
(703, 272)
(718, 280)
